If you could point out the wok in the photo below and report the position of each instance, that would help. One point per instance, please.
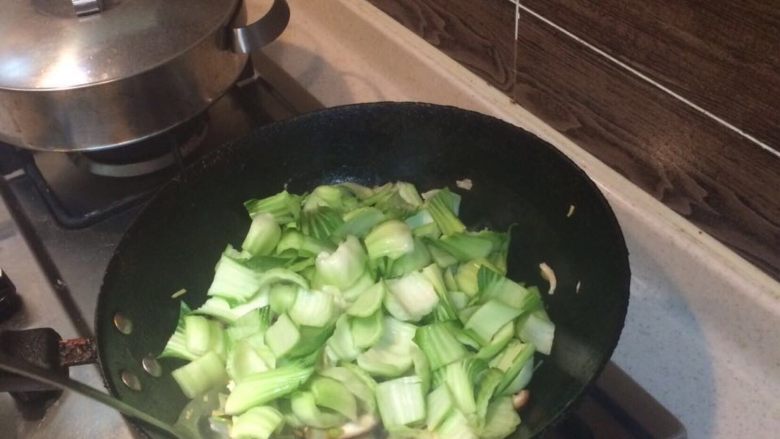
(517, 179)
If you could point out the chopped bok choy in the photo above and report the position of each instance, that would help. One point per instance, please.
(354, 306)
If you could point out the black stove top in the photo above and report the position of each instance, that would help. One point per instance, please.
(72, 219)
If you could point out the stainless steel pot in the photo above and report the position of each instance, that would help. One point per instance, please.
(79, 75)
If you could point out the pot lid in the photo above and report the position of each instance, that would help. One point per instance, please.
(46, 45)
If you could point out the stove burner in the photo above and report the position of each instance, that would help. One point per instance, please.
(148, 156)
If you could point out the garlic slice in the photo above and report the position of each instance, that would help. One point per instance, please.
(466, 184)
(520, 399)
(548, 274)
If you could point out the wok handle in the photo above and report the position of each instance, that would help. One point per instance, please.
(42, 347)
(266, 29)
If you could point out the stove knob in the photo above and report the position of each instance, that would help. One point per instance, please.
(10, 302)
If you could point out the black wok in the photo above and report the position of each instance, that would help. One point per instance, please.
(517, 179)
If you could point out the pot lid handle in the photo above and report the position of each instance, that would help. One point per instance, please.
(256, 35)
(87, 7)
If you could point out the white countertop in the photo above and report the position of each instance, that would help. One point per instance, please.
(702, 328)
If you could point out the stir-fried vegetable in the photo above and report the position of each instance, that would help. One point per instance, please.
(352, 306)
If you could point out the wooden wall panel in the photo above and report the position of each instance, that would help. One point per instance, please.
(722, 55)
(719, 180)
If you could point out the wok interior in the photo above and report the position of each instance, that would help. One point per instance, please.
(517, 179)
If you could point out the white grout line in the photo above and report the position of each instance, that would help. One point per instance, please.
(515, 48)
(11, 175)
(641, 75)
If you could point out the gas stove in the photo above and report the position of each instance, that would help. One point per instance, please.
(64, 215)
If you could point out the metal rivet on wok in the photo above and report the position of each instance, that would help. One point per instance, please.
(151, 366)
(131, 381)
(123, 324)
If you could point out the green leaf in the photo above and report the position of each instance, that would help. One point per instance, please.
(487, 388)
(463, 246)
(521, 379)
(313, 308)
(343, 267)
(244, 360)
(305, 408)
(498, 342)
(511, 361)
(415, 295)
(391, 238)
(263, 235)
(439, 206)
(334, 395)
(415, 260)
(302, 245)
(409, 193)
(419, 219)
(282, 336)
(313, 339)
(176, 347)
(490, 317)
(342, 342)
(369, 301)
(362, 284)
(501, 419)
(257, 422)
(445, 310)
(281, 297)
(391, 355)
(538, 330)
(358, 223)
(456, 426)
(358, 190)
(321, 223)
(234, 279)
(335, 197)
(200, 375)
(439, 405)
(442, 258)
(466, 277)
(366, 331)
(284, 207)
(401, 401)
(198, 334)
(513, 294)
(362, 386)
(261, 388)
(461, 387)
(440, 344)
(250, 323)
